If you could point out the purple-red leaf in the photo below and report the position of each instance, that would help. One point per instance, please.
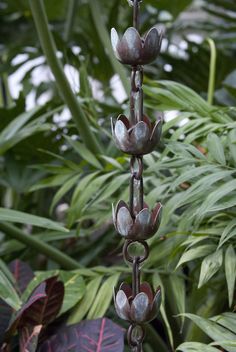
(42, 306)
(89, 336)
(29, 338)
(22, 273)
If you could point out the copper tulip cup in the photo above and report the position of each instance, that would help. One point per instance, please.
(134, 50)
(141, 308)
(139, 138)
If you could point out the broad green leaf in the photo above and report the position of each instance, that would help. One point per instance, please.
(193, 173)
(74, 289)
(194, 253)
(63, 190)
(177, 287)
(215, 148)
(214, 197)
(112, 161)
(230, 272)
(84, 152)
(196, 347)
(213, 330)
(8, 292)
(227, 319)
(210, 265)
(15, 125)
(10, 215)
(229, 232)
(103, 298)
(87, 301)
(156, 279)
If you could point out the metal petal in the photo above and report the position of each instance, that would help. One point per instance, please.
(140, 307)
(140, 135)
(125, 120)
(124, 221)
(121, 133)
(127, 289)
(156, 302)
(156, 214)
(130, 46)
(114, 39)
(146, 288)
(122, 305)
(119, 205)
(144, 217)
(156, 131)
(151, 46)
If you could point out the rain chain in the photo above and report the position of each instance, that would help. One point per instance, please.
(136, 136)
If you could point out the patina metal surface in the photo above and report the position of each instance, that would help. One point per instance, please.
(134, 221)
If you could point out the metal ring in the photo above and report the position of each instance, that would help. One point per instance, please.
(129, 258)
(138, 340)
(137, 174)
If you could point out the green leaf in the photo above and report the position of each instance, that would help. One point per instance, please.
(228, 320)
(74, 289)
(196, 347)
(194, 253)
(215, 148)
(229, 232)
(177, 288)
(214, 197)
(10, 215)
(63, 190)
(103, 298)
(214, 331)
(84, 152)
(8, 292)
(87, 301)
(210, 265)
(230, 272)
(15, 125)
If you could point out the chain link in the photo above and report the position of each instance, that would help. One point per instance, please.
(136, 333)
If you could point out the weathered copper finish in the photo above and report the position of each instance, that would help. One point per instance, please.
(143, 225)
(141, 308)
(137, 136)
(135, 50)
(138, 139)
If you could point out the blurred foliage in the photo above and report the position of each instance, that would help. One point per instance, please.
(47, 172)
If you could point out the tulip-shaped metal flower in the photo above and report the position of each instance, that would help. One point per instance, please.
(138, 139)
(139, 226)
(142, 308)
(135, 50)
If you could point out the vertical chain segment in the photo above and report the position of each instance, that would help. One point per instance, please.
(137, 136)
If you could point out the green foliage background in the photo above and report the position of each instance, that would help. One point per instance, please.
(58, 179)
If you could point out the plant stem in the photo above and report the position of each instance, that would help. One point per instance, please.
(71, 11)
(105, 39)
(212, 71)
(50, 50)
(33, 242)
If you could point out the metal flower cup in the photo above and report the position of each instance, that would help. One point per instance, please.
(135, 50)
(138, 139)
(141, 226)
(140, 309)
